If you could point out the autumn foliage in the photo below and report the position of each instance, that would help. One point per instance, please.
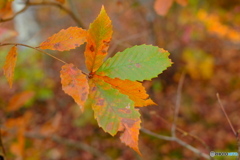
(111, 88)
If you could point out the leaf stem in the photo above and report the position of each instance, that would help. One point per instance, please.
(24, 45)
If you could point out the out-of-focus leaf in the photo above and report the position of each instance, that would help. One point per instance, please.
(199, 65)
(5, 8)
(19, 99)
(162, 6)
(134, 90)
(9, 65)
(19, 125)
(65, 39)
(114, 111)
(216, 27)
(182, 2)
(61, 1)
(75, 84)
(137, 63)
(98, 39)
(6, 34)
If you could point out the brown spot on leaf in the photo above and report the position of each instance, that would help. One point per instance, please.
(94, 89)
(100, 102)
(57, 45)
(106, 43)
(138, 65)
(104, 51)
(129, 122)
(84, 96)
(91, 48)
(109, 126)
(124, 110)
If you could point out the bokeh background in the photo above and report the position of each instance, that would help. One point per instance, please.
(39, 121)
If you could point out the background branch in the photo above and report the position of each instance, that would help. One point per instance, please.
(29, 4)
(70, 143)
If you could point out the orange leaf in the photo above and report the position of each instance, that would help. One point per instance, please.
(131, 132)
(162, 6)
(98, 39)
(65, 39)
(5, 9)
(133, 89)
(9, 65)
(75, 84)
(18, 100)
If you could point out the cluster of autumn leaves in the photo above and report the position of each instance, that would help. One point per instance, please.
(112, 88)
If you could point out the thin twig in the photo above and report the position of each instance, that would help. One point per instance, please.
(179, 141)
(177, 107)
(70, 143)
(17, 13)
(230, 124)
(28, 4)
(19, 44)
(69, 12)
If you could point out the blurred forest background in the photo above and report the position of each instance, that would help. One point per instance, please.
(39, 121)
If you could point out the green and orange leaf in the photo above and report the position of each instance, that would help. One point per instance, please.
(133, 89)
(65, 39)
(114, 111)
(75, 84)
(98, 39)
(10, 64)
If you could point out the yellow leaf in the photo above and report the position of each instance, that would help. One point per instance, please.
(9, 65)
(98, 39)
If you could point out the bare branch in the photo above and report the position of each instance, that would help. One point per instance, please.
(70, 143)
(28, 4)
(230, 123)
(175, 139)
(177, 107)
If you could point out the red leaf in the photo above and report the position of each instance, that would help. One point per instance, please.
(65, 39)
(9, 65)
(75, 84)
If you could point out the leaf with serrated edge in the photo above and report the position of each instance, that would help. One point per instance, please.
(65, 39)
(114, 111)
(140, 63)
(10, 64)
(133, 89)
(75, 84)
(98, 39)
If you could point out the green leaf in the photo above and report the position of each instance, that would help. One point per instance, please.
(111, 108)
(137, 63)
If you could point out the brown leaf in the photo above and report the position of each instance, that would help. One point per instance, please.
(75, 84)
(18, 100)
(162, 6)
(65, 39)
(9, 65)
